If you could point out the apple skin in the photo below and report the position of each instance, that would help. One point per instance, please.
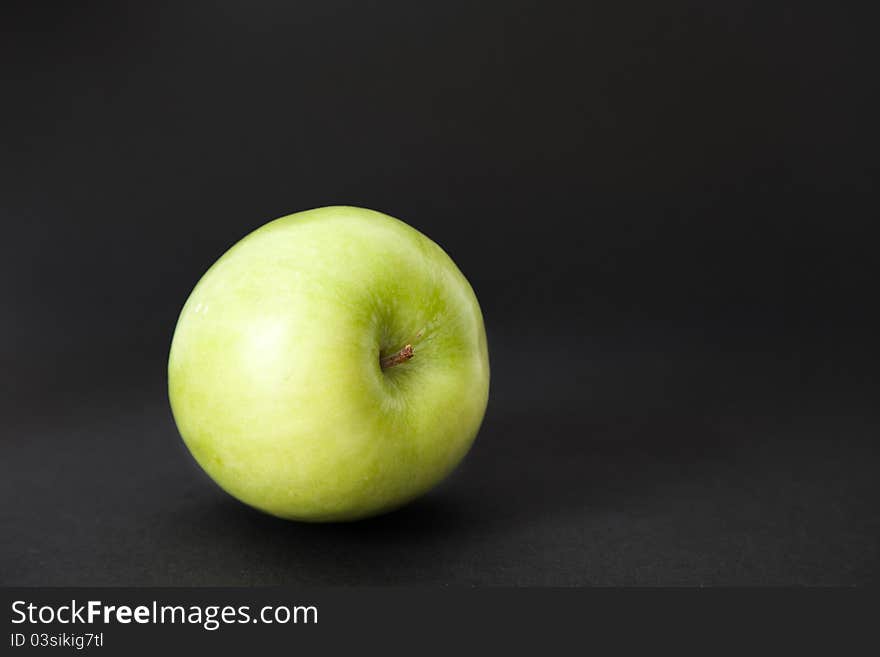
(274, 373)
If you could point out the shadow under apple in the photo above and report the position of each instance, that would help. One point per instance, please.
(528, 470)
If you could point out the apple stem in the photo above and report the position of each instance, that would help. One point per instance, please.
(396, 359)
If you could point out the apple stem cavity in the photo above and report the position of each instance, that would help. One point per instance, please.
(396, 359)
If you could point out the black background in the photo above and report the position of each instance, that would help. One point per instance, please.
(664, 209)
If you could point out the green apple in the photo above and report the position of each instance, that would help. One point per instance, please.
(332, 365)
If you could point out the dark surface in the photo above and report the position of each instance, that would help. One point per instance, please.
(651, 468)
(664, 211)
